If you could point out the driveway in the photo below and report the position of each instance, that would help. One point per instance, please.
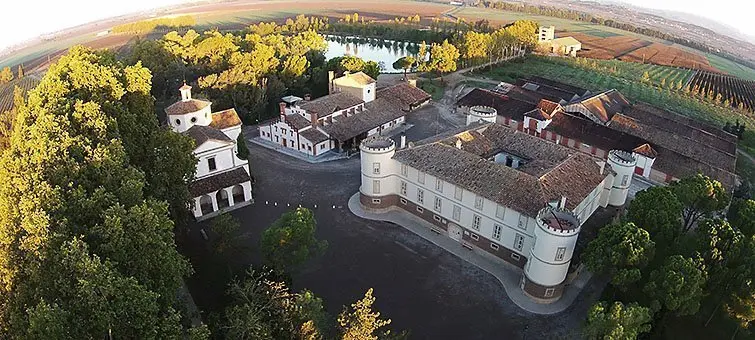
(418, 285)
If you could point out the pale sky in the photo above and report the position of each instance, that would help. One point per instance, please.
(44, 16)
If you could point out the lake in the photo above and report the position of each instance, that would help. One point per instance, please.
(384, 52)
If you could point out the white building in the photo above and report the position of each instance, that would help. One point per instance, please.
(222, 181)
(353, 110)
(546, 33)
(490, 187)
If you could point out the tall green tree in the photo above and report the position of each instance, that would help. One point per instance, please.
(658, 211)
(524, 31)
(443, 57)
(360, 322)
(677, 285)
(290, 240)
(622, 250)
(85, 247)
(617, 321)
(700, 196)
(6, 75)
(474, 45)
(742, 216)
(404, 63)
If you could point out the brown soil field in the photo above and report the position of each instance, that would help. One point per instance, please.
(669, 56)
(611, 47)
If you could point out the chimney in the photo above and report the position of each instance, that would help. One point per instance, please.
(185, 92)
(307, 97)
(458, 144)
(282, 106)
(562, 204)
(313, 118)
(331, 85)
(403, 141)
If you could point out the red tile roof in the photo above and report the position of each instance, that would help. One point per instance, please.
(225, 119)
(184, 107)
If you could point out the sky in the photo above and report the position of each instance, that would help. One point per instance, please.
(50, 15)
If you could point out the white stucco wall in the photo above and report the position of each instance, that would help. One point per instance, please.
(181, 123)
(224, 154)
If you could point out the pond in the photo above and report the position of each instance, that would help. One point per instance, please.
(384, 52)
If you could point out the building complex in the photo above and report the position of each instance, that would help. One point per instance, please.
(353, 110)
(222, 180)
(491, 187)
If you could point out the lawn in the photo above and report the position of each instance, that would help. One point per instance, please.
(626, 77)
(731, 67)
(433, 87)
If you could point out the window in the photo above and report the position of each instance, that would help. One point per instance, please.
(403, 201)
(376, 187)
(211, 164)
(476, 222)
(309, 147)
(497, 232)
(522, 222)
(516, 257)
(499, 212)
(560, 252)
(404, 169)
(375, 201)
(457, 213)
(494, 246)
(475, 237)
(403, 188)
(457, 193)
(420, 196)
(283, 131)
(376, 168)
(193, 119)
(421, 177)
(178, 122)
(585, 145)
(549, 292)
(276, 128)
(438, 203)
(420, 210)
(437, 218)
(518, 242)
(438, 185)
(478, 201)
(624, 180)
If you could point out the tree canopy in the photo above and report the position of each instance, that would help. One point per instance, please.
(617, 321)
(658, 211)
(87, 247)
(443, 57)
(360, 322)
(620, 249)
(290, 240)
(700, 197)
(677, 285)
(6, 75)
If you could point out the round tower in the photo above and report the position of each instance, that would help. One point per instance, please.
(378, 189)
(623, 163)
(555, 238)
(481, 113)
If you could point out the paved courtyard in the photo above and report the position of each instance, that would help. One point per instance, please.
(420, 286)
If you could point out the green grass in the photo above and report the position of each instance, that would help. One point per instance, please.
(433, 87)
(731, 67)
(626, 77)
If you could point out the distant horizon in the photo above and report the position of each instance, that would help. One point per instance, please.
(64, 15)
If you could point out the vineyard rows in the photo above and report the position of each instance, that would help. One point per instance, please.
(720, 88)
(6, 90)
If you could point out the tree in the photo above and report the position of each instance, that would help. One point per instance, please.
(263, 308)
(360, 322)
(658, 211)
(617, 321)
(20, 71)
(677, 286)
(243, 152)
(443, 57)
(7, 118)
(474, 45)
(225, 240)
(6, 75)
(290, 240)
(525, 32)
(404, 63)
(700, 196)
(742, 216)
(622, 250)
(85, 244)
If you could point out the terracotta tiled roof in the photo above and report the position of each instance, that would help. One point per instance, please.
(297, 121)
(539, 181)
(646, 150)
(326, 105)
(505, 105)
(407, 94)
(219, 181)
(588, 132)
(225, 119)
(183, 107)
(377, 112)
(313, 135)
(604, 105)
(201, 134)
(354, 79)
(549, 107)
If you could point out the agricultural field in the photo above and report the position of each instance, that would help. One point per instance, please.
(26, 83)
(662, 54)
(724, 88)
(731, 67)
(609, 48)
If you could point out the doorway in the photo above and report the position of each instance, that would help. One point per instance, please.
(454, 232)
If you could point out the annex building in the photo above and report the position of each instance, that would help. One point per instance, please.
(490, 187)
(353, 110)
(222, 181)
(667, 146)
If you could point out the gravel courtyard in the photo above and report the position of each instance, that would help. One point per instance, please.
(418, 285)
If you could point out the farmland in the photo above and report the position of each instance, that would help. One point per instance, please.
(724, 89)
(670, 56)
(26, 83)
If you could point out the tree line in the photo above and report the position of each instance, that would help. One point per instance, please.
(146, 26)
(576, 15)
(676, 253)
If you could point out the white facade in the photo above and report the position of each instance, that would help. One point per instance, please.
(525, 237)
(623, 164)
(481, 114)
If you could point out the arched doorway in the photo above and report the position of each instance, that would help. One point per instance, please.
(222, 197)
(238, 194)
(205, 203)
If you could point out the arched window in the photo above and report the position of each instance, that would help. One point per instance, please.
(193, 119)
(178, 122)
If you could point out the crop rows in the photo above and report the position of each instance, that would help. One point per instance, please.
(720, 88)
(6, 90)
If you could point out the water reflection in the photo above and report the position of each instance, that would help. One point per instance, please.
(384, 52)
